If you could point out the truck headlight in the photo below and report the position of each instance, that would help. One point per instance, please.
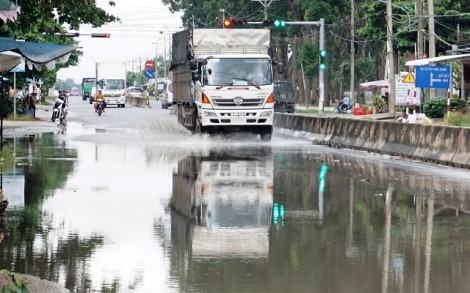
(209, 114)
(266, 114)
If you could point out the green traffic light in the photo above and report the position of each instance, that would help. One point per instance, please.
(323, 53)
(279, 23)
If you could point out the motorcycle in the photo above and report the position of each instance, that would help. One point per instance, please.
(59, 112)
(100, 107)
(341, 109)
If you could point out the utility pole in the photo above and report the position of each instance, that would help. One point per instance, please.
(432, 39)
(420, 36)
(352, 50)
(265, 3)
(391, 62)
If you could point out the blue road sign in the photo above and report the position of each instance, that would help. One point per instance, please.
(433, 77)
(148, 73)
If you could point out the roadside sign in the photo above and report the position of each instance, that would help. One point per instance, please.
(148, 73)
(433, 76)
(409, 78)
(149, 64)
(406, 92)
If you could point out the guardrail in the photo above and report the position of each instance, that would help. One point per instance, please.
(138, 102)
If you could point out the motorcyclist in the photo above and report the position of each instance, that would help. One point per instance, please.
(99, 96)
(60, 103)
(344, 103)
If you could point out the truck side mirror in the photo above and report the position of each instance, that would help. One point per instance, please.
(192, 65)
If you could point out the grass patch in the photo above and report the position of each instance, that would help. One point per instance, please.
(21, 117)
(7, 160)
(457, 119)
(311, 111)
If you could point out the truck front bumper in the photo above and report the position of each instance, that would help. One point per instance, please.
(237, 117)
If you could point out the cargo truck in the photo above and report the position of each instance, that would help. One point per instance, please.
(229, 197)
(223, 80)
(111, 80)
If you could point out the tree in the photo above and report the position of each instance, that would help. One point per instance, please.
(44, 21)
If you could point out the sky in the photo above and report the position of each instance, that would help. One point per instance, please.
(144, 31)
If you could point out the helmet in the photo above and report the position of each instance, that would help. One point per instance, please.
(99, 91)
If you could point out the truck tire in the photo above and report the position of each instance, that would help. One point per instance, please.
(266, 133)
(199, 129)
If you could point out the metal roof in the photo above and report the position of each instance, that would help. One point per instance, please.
(37, 54)
(426, 61)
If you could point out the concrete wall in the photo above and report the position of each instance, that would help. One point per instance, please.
(138, 102)
(430, 143)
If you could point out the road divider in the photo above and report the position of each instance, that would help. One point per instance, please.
(429, 143)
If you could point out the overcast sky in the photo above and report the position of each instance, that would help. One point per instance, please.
(136, 39)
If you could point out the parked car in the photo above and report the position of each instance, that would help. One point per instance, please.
(134, 92)
(284, 96)
(167, 100)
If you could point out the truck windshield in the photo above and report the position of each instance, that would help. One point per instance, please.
(114, 84)
(237, 71)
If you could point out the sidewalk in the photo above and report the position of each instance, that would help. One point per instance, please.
(41, 123)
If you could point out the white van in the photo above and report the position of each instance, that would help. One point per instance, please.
(167, 100)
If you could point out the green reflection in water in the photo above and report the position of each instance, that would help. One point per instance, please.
(28, 238)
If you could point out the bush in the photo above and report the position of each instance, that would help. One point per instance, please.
(379, 104)
(437, 108)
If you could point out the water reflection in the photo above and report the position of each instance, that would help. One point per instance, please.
(257, 218)
(336, 222)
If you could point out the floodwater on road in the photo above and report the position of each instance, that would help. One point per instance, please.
(101, 210)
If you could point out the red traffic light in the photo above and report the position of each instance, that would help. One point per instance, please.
(227, 23)
(100, 35)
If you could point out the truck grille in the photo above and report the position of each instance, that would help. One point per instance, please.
(230, 103)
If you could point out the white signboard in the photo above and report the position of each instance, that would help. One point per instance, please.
(406, 92)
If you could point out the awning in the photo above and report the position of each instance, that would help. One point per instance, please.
(8, 11)
(426, 61)
(8, 60)
(37, 55)
(374, 84)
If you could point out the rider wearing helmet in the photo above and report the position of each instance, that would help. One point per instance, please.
(99, 95)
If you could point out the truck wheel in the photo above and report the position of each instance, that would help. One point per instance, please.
(266, 136)
(199, 129)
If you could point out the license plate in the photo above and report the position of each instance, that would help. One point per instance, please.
(238, 114)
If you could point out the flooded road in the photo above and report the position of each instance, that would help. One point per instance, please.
(134, 203)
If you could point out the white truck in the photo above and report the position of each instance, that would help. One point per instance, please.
(223, 80)
(230, 199)
(111, 80)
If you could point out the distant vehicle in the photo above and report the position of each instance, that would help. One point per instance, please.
(88, 83)
(167, 100)
(134, 92)
(74, 92)
(284, 96)
(111, 79)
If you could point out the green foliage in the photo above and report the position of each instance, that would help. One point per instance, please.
(12, 282)
(7, 159)
(37, 23)
(379, 104)
(437, 108)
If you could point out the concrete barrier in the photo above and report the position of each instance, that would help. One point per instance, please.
(430, 143)
(138, 102)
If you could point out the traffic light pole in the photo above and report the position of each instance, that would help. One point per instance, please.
(321, 73)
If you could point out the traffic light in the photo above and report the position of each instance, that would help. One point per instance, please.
(279, 23)
(232, 22)
(100, 35)
(322, 60)
(267, 23)
(322, 175)
(279, 213)
(227, 23)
